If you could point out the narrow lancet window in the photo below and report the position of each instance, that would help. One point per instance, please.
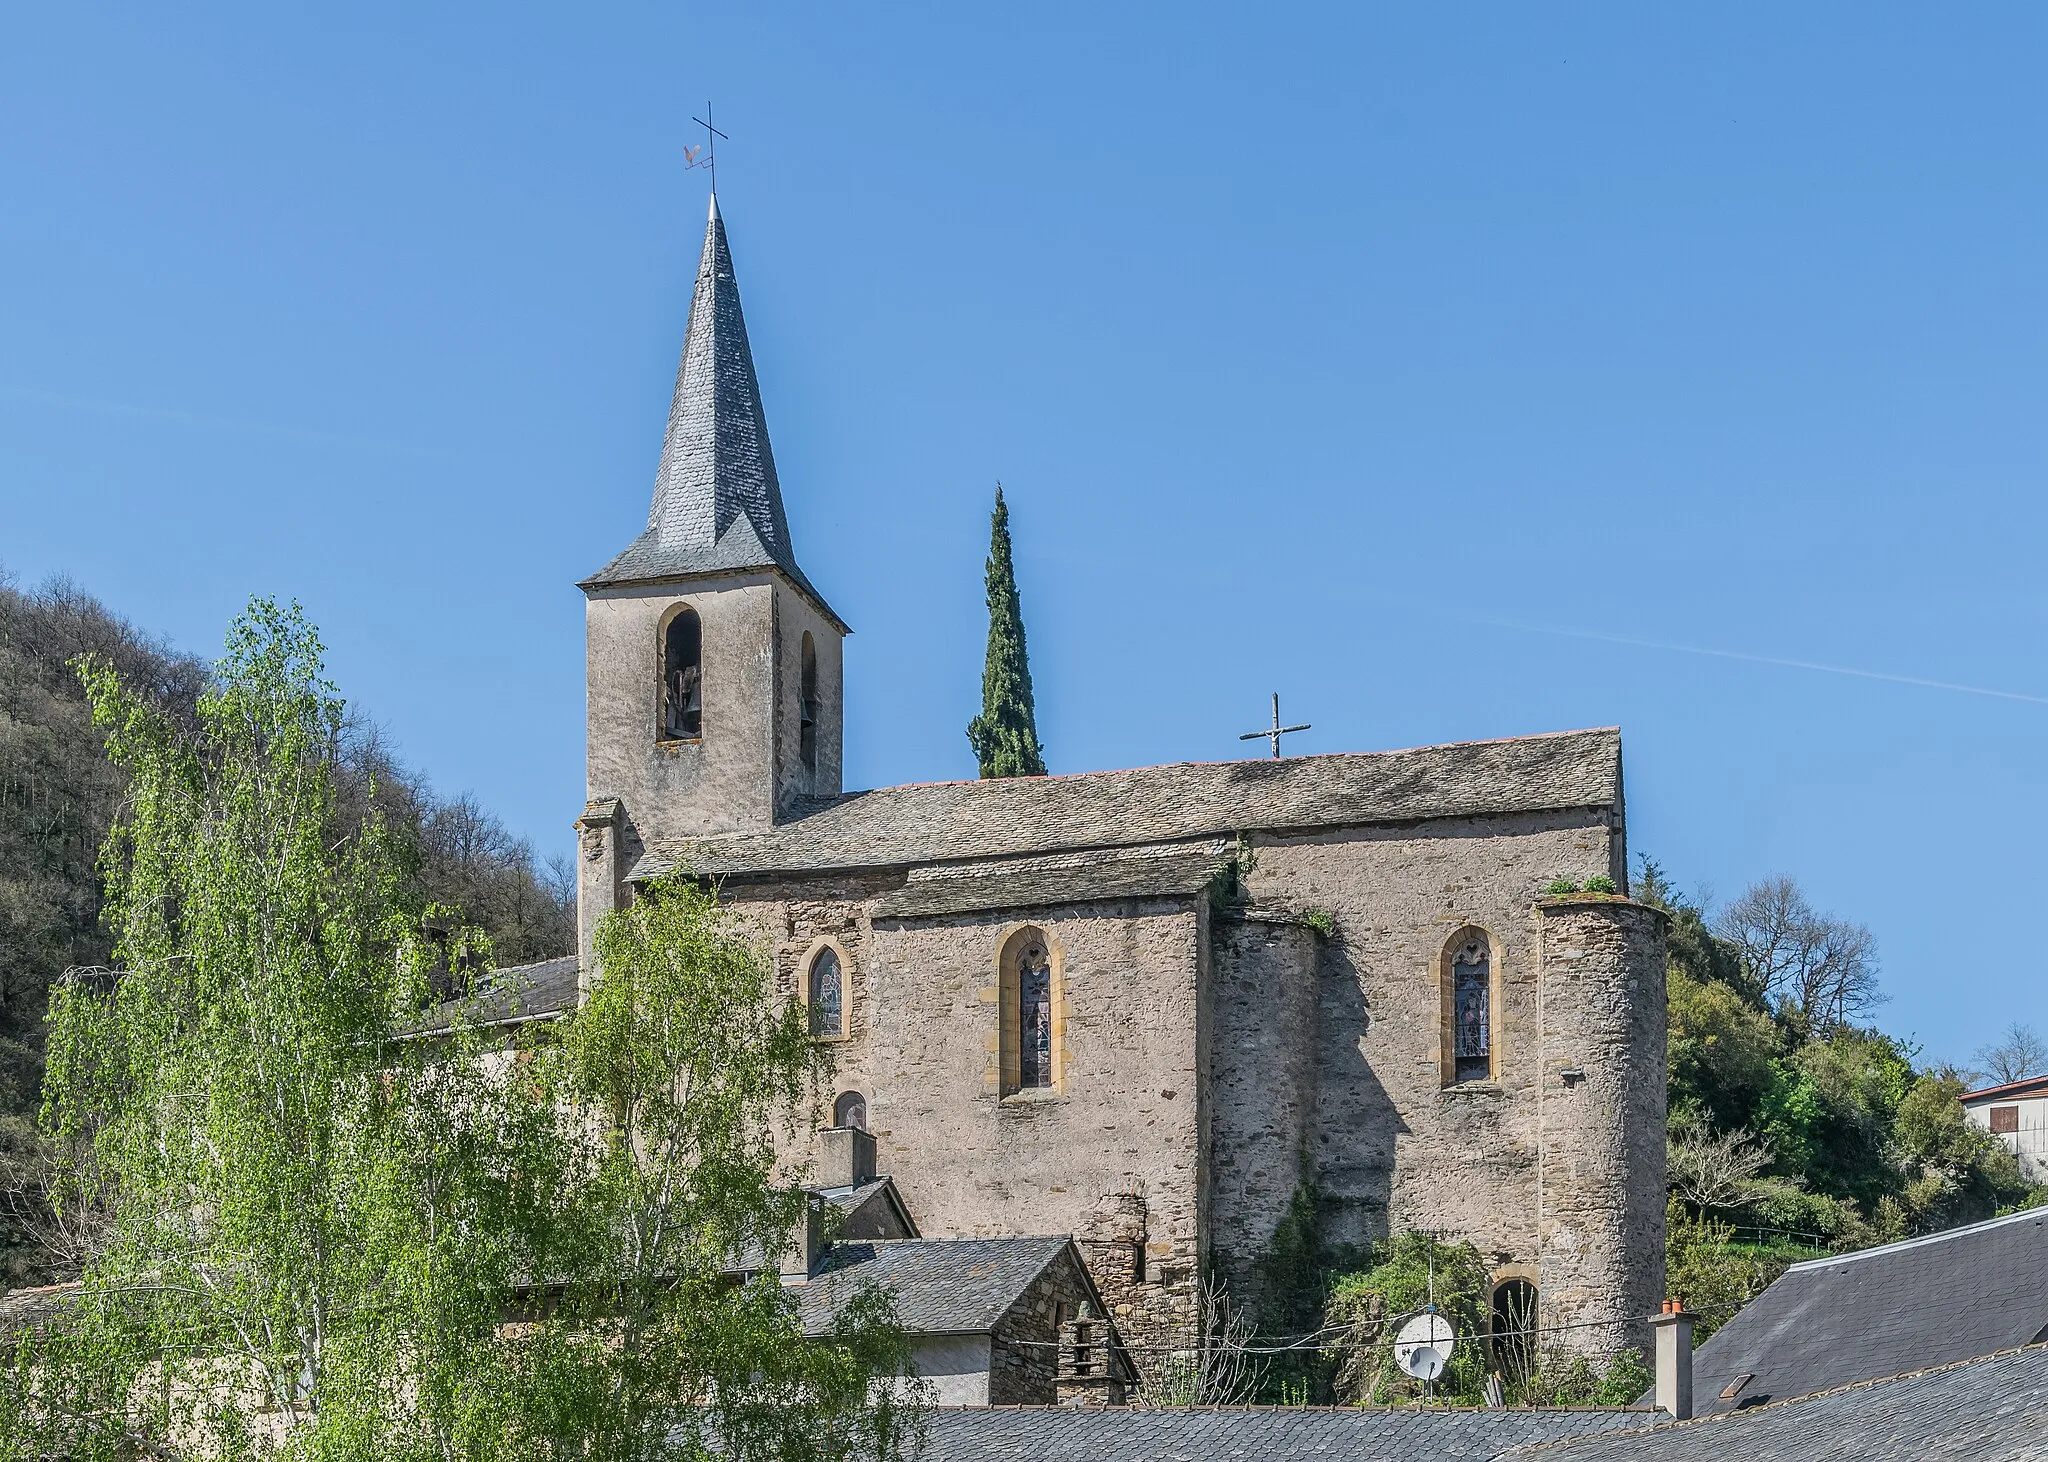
(824, 995)
(1034, 1016)
(807, 709)
(1472, 1010)
(682, 678)
(851, 1110)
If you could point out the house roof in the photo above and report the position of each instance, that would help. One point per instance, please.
(2032, 1086)
(522, 992)
(871, 1206)
(1251, 1434)
(1990, 1409)
(1032, 816)
(1882, 1312)
(939, 1286)
(717, 503)
(29, 1309)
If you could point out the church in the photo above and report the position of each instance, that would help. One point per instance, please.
(1145, 1008)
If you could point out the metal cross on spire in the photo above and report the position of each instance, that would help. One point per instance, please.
(709, 151)
(1277, 730)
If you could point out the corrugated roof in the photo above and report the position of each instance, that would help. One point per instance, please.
(1883, 1312)
(1253, 1434)
(939, 1286)
(1990, 1409)
(1023, 816)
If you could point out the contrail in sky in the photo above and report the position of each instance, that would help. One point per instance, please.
(1587, 634)
(189, 418)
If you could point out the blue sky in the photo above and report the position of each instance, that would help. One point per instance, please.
(1456, 371)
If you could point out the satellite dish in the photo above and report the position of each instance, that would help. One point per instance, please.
(1424, 1344)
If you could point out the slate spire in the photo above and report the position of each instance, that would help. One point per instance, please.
(717, 504)
(717, 472)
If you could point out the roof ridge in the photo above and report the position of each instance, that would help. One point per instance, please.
(2037, 1215)
(1742, 1411)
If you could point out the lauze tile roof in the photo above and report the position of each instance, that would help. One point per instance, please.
(939, 1286)
(1253, 1434)
(1883, 1312)
(1025, 816)
(1991, 1409)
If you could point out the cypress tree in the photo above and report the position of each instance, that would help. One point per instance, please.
(1005, 734)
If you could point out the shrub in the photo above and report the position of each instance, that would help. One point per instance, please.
(1559, 887)
(1322, 921)
(1601, 883)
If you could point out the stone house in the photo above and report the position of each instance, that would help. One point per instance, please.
(1147, 1007)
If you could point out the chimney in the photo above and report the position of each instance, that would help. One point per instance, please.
(1673, 1329)
(806, 1243)
(846, 1158)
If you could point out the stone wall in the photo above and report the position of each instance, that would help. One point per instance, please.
(1110, 1155)
(1265, 999)
(746, 766)
(1395, 1144)
(1602, 1120)
(1024, 1360)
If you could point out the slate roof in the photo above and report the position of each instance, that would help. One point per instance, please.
(940, 1286)
(1254, 1434)
(522, 992)
(1991, 1409)
(1025, 816)
(1883, 1312)
(717, 502)
(1176, 869)
(28, 1309)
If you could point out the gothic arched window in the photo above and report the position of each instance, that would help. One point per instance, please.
(1030, 1053)
(807, 709)
(1468, 1006)
(682, 677)
(851, 1110)
(824, 993)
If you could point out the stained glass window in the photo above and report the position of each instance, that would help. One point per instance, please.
(824, 995)
(1034, 1023)
(1472, 1011)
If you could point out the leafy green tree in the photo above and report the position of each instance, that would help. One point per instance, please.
(1005, 734)
(59, 793)
(328, 1239)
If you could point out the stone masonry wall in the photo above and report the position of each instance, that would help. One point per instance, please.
(1395, 1146)
(1024, 1358)
(1109, 1156)
(1262, 1084)
(1602, 1120)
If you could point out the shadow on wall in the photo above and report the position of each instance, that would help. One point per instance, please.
(1356, 1122)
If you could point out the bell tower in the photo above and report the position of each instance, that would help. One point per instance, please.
(712, 666)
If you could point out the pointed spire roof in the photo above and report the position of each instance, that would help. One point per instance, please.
(717, 504)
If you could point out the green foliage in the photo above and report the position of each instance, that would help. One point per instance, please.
(59, 793)
(1721, 1052)
(1601, 883)
(1322, 922)
(1853, 1144)
(315, 1232)
(1559, 888)
(1293, 1279)
(1409, 1271)
(1577, 1382)
(1005, 734)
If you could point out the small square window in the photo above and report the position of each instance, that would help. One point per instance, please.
(2005, 1119)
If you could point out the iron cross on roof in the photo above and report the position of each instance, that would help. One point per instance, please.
(709, 160)
(1277, 730)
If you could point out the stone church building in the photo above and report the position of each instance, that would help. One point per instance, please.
(1141, 1007)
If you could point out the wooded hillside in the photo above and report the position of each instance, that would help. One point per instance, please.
(59, 793)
